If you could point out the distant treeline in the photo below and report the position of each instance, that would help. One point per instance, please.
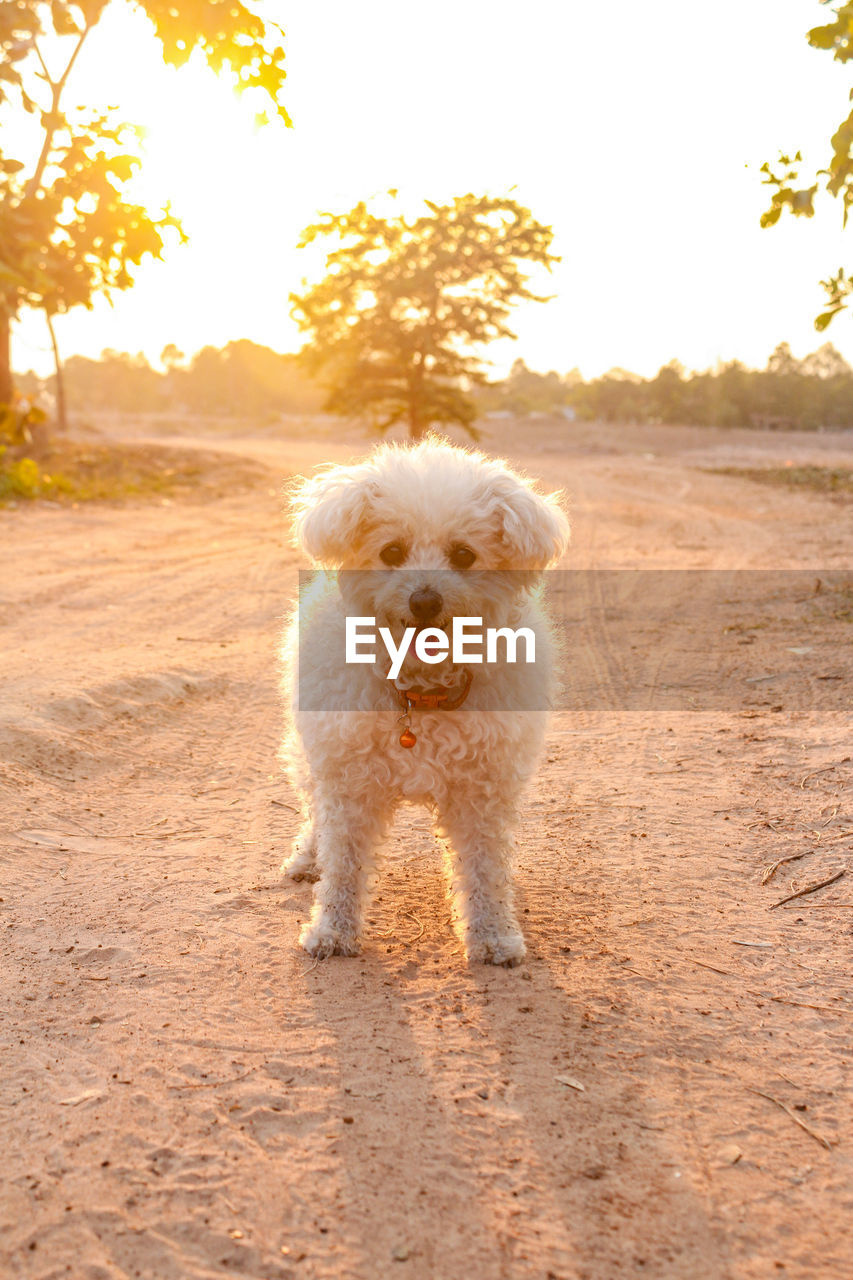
(242, 378)
(249, 380)
(807, 394)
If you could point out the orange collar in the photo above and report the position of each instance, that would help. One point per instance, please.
(436, 700)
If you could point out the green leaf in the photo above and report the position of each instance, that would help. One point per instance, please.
(825, 319)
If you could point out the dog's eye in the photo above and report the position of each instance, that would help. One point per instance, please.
(393, 554)
(462, 557)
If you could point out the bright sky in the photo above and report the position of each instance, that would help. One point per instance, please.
(636, 130)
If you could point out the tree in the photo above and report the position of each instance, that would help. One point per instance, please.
(826, 363)
(243, 379)
(397, 324)
(66, 231)
(117, 382)
(668, 392)
(837, 178)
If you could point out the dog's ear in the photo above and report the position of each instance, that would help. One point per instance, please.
(330, 513)
(533, 528)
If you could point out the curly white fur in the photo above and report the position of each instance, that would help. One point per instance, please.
(469, 765)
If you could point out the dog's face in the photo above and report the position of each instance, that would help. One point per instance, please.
(429, 533)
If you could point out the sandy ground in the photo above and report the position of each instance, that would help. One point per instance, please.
(662, 1090)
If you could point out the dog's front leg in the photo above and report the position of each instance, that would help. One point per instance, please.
(479, 829)
(302, 863)
(346, 837)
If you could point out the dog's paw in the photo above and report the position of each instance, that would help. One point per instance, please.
(301, 866)
(505, 949)
(322, 940)
(309, 874)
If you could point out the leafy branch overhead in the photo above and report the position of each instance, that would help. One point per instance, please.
(397, 324)
(232, 36)
(67, 233)
(785, 176)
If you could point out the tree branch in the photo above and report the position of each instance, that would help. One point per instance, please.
(43, 63)
(56, 88)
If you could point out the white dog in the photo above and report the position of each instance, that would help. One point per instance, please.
(413, 538)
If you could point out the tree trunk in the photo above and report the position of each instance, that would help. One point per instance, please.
(417, 426)
(61, 412)
(6, 387)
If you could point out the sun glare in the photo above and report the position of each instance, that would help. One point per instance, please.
(642, 152)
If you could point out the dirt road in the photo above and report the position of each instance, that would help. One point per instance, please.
(663, 1089)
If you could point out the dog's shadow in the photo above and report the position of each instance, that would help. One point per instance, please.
(512, 1093)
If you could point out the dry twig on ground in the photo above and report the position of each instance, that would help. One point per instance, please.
(810, 888)
(770, 871)
(796, 1119)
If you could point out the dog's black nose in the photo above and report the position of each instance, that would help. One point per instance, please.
(425, 604)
